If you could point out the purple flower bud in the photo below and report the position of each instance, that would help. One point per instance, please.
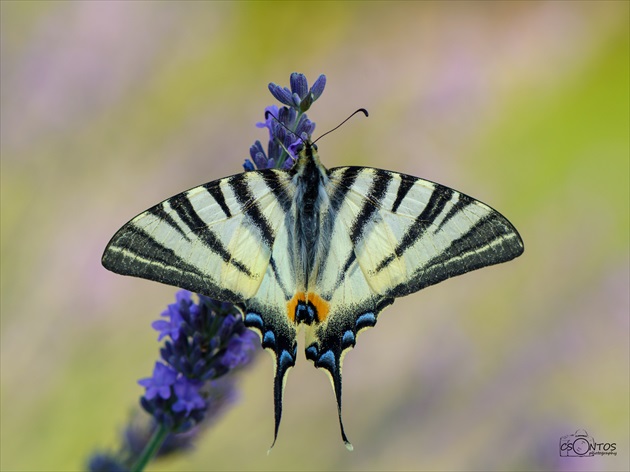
(248, 165)
(296, 100)
(299, 85)
(283, 95)
(318, 87)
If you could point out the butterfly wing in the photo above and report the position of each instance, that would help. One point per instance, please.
(388, 235)
(411, 233)
(215, 239)
(229, 239)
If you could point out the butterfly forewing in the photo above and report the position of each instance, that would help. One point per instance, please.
(215, 239)
(418, 233)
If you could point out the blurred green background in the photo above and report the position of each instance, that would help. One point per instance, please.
(110, 107)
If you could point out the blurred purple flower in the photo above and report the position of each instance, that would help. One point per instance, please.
(239, 349)
(170, 327)
(105, 462)
(206, 340)
(159, 385)
(188, 398)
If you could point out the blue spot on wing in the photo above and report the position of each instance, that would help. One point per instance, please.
(348, 338)
(311, 352)
(285, 360)
(269, 339)
(327, 360)
(253, 320)
(365, 320)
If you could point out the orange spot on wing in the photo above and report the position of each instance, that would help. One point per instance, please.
(292, 305)
(321, 306)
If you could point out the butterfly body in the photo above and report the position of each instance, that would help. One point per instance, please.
(309, 180)
(326, 249)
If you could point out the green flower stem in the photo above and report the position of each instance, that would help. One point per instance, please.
(151, 449)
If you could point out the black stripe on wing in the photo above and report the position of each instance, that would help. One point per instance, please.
(462, 201)
(249, 205)
(161, 214)
(274, 183)
(278, 277)
(343, 183)
(371, 204)
(214, 189)
(406, 184)
(434, 207)
(132, 243)
(184, 209)
(132, 251)
(491, 240)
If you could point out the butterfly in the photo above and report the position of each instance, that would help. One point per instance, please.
(328, 249)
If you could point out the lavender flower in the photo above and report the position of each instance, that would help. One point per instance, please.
(211, 340)
(299, 97)
(160, 384)
(188, 398)
(170, 327)
(288, 126)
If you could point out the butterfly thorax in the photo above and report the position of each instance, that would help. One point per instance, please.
(310, 178)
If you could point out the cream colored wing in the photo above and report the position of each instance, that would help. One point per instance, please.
(386, 235)
(215, 239)
(231, 240)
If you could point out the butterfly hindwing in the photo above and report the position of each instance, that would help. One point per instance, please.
(266, 312)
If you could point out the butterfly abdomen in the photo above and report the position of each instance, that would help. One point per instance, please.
(310, 179)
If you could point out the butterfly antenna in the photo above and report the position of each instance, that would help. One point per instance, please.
(362, 110)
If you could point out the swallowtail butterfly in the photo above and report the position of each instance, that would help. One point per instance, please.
(324, 248)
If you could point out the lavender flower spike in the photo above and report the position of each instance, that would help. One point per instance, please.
(288, 126)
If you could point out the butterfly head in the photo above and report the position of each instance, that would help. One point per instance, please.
(306, 149)
(307, 161)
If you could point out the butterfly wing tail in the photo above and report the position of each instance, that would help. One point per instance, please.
(284, 361)
(335, 379)
(331, 361)
(279, 340)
